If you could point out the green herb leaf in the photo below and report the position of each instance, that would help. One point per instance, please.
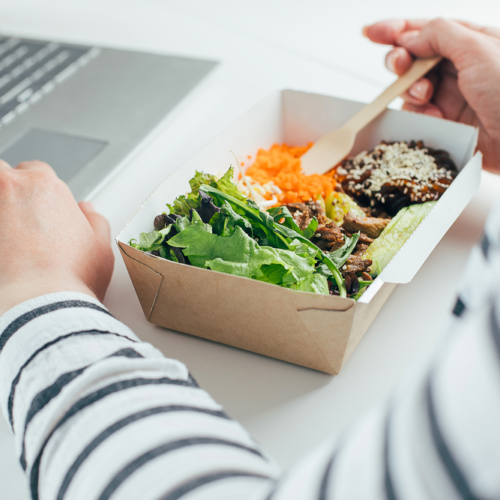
(195, 217)
(227, 186)
(340, 256)
(262, 223)
(276, 274)
(182, 223)
(183, 204)
(304, 250)
(240, 255)
(224, 222)
(279, 213)
(149, 242)
(199, 179)
(252, 204)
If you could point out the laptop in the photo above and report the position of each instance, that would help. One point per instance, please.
(83, 109)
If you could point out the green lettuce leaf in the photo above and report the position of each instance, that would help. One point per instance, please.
(226, 185)
(276, 274)
(199, 179)
(279, 213)
(340, 256)
(240, 255)
(184, 222)
(303, 250)
(227, 219)
(315, 283)
(273, 234)
(149, 242)
(262, 223)
(167, 252)
(192, 201)
(184, 203)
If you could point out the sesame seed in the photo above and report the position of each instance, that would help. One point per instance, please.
(394, 164)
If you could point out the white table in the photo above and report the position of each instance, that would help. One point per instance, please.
(263, 45)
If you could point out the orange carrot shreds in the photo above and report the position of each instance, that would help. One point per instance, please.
(281, 165)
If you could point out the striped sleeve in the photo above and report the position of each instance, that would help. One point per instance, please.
(99, 415)
(438, 435)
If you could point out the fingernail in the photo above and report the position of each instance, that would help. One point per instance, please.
(390, 61)
(407, 37)
(417, 91)
(365, 31)
(433, 112)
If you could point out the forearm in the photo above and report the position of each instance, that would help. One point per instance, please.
(16, 292)
(95, 410)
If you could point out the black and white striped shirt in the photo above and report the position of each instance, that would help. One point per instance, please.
(97, 414)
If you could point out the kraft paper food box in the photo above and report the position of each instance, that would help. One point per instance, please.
(316, 331)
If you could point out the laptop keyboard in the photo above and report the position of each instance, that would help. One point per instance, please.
(31, 69)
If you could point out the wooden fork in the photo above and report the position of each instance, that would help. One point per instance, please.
(333, 147)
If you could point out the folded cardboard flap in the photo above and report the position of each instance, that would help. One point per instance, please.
(330, 333)
(146, 280)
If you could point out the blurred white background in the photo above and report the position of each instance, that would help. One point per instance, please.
(263, 45)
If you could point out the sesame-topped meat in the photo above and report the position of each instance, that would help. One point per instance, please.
(370, 226)
(397, 175)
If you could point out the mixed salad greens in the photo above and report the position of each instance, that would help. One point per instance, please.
(215, 227)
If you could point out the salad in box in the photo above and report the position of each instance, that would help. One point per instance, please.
(347, 236)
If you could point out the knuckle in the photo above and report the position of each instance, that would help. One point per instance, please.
(439, 23)
(43, 176)
(42, 164)
(34, 164)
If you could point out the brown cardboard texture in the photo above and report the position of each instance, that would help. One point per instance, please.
(307, 329)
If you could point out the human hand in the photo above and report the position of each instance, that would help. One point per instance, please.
(465, 87)
(47, 242)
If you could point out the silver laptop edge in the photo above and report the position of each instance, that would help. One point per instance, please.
(86, 109)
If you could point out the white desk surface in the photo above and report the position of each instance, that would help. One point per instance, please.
(263, 45)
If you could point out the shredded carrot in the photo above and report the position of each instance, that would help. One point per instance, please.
(281, 165)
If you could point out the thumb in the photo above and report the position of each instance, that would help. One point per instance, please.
(443, 37)
(98, 223)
